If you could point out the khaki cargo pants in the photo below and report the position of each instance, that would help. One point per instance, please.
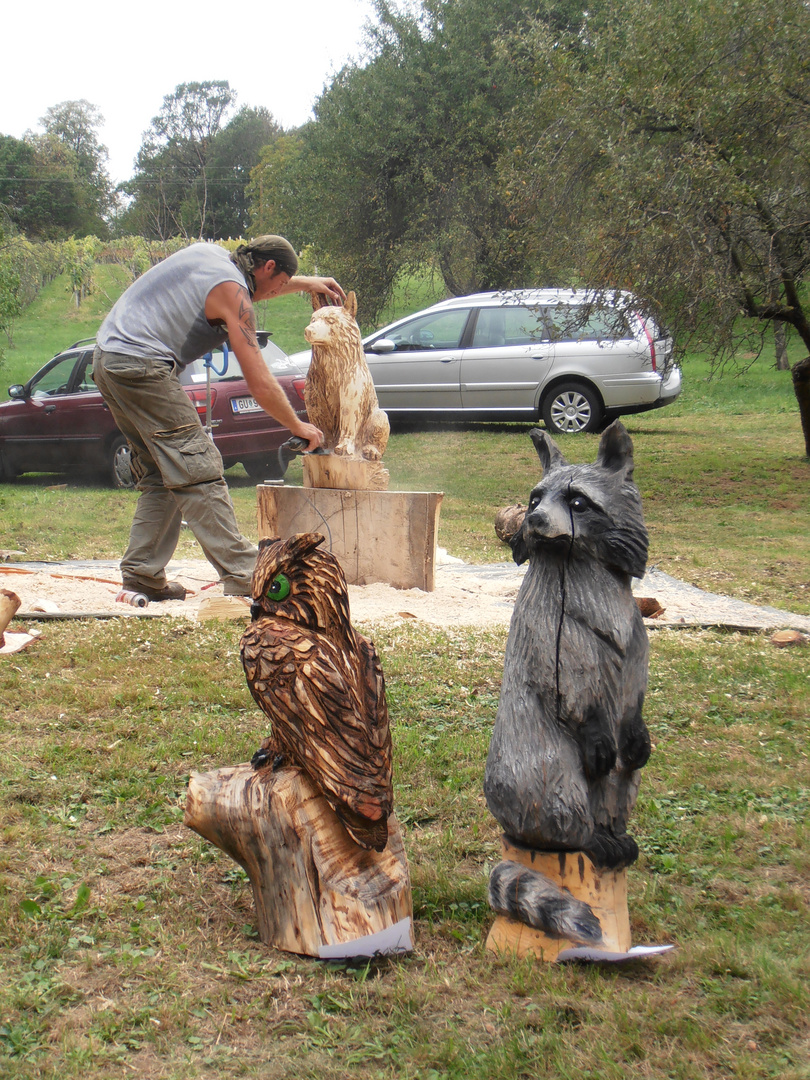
(178, 471)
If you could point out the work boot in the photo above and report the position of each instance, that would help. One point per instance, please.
(172, 590)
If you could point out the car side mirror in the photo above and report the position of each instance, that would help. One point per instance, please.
(16, 391)
(382, 345)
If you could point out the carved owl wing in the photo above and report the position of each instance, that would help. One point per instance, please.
(329, 714)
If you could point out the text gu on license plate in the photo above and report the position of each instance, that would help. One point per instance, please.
(245, 405)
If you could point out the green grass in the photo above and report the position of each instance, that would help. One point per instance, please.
(52, 323)
(128, 944)
(722, 474)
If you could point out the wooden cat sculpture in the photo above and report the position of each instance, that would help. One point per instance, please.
(342, 402)
(562, 773)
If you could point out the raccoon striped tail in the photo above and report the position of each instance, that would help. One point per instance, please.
(531, 898)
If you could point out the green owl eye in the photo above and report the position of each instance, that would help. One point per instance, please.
(279, 588)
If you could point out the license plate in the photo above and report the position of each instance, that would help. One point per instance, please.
(245, 405)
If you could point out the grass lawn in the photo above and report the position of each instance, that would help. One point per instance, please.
(128, 944)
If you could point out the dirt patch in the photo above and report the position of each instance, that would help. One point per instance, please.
(465, 595)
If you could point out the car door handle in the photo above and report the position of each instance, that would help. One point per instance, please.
(447, 359)
(538, 356)
(50, 408)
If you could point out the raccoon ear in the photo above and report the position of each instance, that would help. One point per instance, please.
(616, 450)
(547, 450)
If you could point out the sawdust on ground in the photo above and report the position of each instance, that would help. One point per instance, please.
(465, 595)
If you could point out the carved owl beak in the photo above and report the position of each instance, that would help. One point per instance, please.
(255, 610)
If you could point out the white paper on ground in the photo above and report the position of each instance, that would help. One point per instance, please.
(637, 952)
(11, 643)
(393, 939)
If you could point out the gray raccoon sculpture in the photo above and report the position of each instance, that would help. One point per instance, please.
(562, 772)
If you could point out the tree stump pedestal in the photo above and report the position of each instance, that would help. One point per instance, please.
(316, 891)
(376, 536)
(605, 891)
(344, 473)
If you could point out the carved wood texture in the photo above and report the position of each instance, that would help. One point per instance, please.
(312, 885)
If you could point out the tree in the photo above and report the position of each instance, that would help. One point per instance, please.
(194, 165)
(235, 152)
(663, 149)
(74, 124)
(274, 190)
(40, 189)
(400, 165)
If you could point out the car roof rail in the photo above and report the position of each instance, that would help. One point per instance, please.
(81, 341)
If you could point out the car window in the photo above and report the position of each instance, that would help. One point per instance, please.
(194, 374)
(84, 376)
(503, 326)
(441, 330)
(55, 379)
(582, 324)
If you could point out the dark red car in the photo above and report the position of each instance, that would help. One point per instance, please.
(58, 422)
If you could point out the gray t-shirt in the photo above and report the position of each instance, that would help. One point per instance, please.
(162, 313)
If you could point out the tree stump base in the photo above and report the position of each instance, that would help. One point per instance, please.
(385, 536)
(335, 471)
(316, 892)
(605, 891)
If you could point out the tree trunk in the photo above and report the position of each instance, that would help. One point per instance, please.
(780, 342)
(316, 891)
(801, 387)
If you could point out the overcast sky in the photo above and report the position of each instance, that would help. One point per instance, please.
(124, 58)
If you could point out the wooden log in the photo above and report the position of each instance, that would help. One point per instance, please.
(224, 609)
(9, 604)
(312, 885)
(508, 521)
(11, 643)
(605, 891)
(387, 536)
(352, 474)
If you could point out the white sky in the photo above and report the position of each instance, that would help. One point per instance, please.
(124, 58)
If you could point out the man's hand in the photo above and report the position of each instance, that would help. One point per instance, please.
(313, 435)
(326, 285)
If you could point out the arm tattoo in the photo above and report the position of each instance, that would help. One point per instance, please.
(247, 320)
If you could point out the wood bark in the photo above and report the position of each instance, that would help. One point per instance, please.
(780, 346)
(312, 885)
(801, 388)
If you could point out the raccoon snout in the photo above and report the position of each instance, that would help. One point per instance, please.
(539, 525)
(538, 519)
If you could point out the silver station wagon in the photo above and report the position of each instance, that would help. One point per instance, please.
(565, 356)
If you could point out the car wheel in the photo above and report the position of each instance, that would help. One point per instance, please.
(266, 466)
(119, 465)
(571, 408)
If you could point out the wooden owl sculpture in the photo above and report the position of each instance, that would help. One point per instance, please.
(320, 683)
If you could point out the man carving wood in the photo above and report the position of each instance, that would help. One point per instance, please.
(176, 312)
